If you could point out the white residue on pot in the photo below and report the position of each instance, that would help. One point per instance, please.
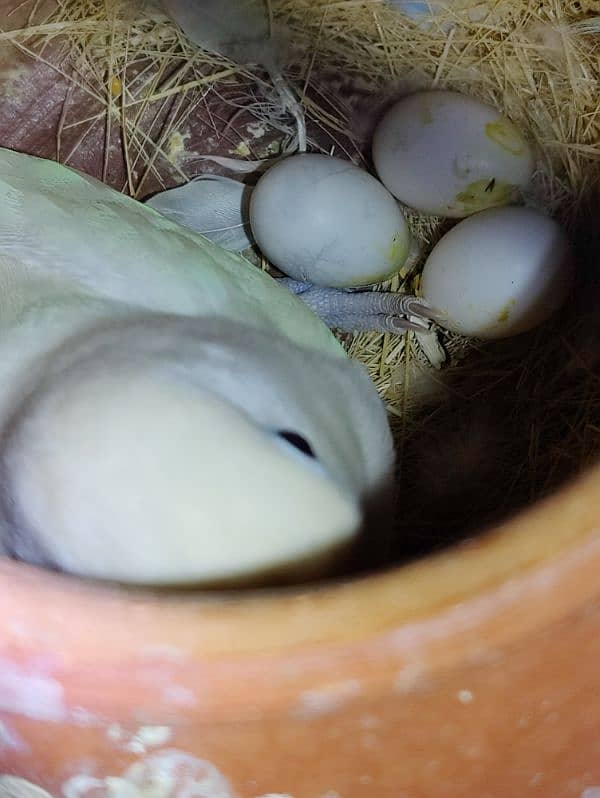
(161, 775)
(409, 677)
(179, 696)
(114, 732)
(322, 701)
(465, 696)
(149, 737)
(83, 717)
(141, 740)
(28, 692)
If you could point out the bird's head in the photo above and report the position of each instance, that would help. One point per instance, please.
(170, 450)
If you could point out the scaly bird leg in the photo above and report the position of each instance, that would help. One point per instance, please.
(364, 311)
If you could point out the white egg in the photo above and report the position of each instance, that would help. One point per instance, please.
(447, 154)
(323, 220)
(499, 273)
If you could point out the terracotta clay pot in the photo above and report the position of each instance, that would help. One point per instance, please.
(472, 673)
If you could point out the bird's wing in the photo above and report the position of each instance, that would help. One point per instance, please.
(67, 232)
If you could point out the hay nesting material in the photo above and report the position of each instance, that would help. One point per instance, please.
(501, 425)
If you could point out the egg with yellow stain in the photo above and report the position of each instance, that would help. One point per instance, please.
(499, 273)
(325, 221)
(446, 154)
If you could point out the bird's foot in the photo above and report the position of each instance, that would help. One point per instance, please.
(365, 311)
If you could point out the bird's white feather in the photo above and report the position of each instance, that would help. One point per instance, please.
(144, 375)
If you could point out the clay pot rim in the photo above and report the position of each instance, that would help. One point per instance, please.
(212, 626)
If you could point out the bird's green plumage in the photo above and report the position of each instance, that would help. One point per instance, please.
(69, 234)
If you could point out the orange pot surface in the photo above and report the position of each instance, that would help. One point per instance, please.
(474, 673)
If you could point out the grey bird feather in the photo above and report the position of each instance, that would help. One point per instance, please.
(215, 206)
(239, 29)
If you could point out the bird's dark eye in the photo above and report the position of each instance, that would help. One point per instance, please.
(298, 441)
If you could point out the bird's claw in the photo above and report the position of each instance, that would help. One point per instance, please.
(400, 324)
(366, 311)
(416, 314)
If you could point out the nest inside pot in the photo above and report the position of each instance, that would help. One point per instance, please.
(114, 88)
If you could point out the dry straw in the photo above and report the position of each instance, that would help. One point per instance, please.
(500, 425)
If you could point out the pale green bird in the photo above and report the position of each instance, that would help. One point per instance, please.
(169, 414)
